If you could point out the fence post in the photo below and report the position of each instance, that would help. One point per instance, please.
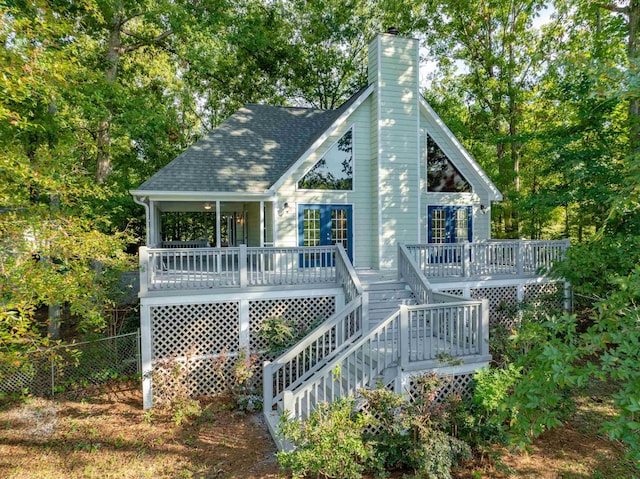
(242, 265)
(403, 344)
(267, 387)
(143, 252)
(53, 376)
(567, 303)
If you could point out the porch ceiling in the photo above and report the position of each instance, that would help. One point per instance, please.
(198, 206)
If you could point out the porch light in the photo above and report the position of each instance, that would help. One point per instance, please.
(207, 206)
(284, 209)
(484, 209)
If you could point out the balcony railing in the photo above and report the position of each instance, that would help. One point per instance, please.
(487, 258)
(166, 269)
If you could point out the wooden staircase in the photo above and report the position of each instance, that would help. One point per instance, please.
(385, 297)
(383, 333)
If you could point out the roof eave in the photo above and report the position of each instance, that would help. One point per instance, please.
(160, 195)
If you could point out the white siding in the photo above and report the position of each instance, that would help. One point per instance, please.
(480, 196)
(361, 197)
(397, 126)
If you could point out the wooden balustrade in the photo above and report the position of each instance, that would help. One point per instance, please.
(193, 267)
(487, 258)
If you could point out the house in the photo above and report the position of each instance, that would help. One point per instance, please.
(372, 217)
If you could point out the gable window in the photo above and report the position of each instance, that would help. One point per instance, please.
(442, 174)
(334, 171)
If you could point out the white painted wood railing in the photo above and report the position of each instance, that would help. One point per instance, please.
(187, 268)
(487, 258)
(346, 275)
(414, 337)
(295, 366)
(410, 273)
(320, 345)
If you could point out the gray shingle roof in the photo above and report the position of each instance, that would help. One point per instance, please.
(247, 153)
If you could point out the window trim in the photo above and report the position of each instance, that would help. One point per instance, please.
(353, 163)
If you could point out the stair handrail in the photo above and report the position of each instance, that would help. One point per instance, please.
(297, 404)
(305, 357)
(410, 272)
(308, 355)
(346, 275)
(398, 333)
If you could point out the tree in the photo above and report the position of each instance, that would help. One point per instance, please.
(50, 241)
(500, 57)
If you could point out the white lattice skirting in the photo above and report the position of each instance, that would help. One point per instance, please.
(506, 297)
(207, 336)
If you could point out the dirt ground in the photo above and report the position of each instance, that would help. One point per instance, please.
(112, 437)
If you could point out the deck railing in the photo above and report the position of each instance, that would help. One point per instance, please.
(413, 337)
(410, 273)
(487, 258)
(194, 267)
(308, 355)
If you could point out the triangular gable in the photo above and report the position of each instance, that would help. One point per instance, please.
(348, 108)
(454, 145)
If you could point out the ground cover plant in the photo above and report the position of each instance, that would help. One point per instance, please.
(111, 436)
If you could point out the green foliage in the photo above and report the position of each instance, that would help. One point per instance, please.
(493, 386)
(553, 358)
(414, 434)
(171, 390)
(387, 432)
(241, 384)
(328, 444)
(281, 334)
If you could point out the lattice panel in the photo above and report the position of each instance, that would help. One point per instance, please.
(194, 329)
(207, 378)
(456, 291)
(458, 384)
(503, 304)
(548, 296)
(303, 311)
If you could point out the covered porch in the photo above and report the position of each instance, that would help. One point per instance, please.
(205, 221)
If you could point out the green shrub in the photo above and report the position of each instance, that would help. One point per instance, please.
(328, 444)
(412, 435)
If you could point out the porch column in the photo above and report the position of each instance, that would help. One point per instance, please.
(154, 225)
(262, 225)
(218, 231)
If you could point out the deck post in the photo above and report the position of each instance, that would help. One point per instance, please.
(267, 387)
(466, 259)
(519, 257)
(403, 344)
(145, 353)
(243, 325)
(242, 265)
(484, 328)
(143, 253)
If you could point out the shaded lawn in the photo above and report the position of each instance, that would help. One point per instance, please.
(112, 437)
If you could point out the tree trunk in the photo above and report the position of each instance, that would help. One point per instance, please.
(112, 59)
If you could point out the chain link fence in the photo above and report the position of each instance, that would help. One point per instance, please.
(71, 367)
